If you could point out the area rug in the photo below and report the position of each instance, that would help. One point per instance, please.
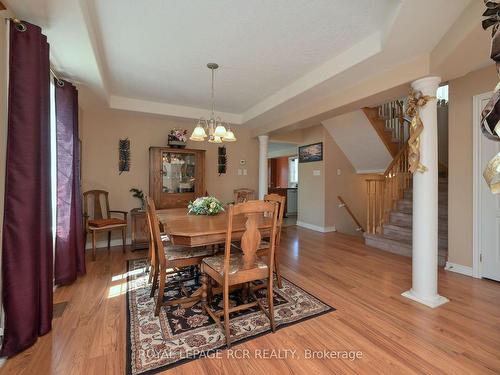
(179, 334)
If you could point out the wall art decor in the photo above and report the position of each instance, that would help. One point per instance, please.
(310, 153)
(124, 155)
(222, 160)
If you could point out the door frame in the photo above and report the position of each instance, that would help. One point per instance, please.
(476, 181)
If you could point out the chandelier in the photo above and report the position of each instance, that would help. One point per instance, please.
(214, 127)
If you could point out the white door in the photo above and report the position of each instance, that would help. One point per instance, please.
(489, 211)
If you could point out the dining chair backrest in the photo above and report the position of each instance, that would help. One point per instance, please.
(154, 224)
(242, 195)
(254, 212)
(152, 251)
(96, 204)
(280, 200)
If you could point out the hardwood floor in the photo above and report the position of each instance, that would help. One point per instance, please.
(394, 334)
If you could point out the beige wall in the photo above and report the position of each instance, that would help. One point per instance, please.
(348, 184)
(318, 204)
(461, 91)
(311, 191)
(101, 128)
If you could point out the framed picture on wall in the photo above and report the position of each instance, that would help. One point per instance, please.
(310, 153)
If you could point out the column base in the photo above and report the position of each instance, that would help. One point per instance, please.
(433, 302)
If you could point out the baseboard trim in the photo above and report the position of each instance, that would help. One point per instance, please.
(458, 268)
(316, 228)
(104, 243)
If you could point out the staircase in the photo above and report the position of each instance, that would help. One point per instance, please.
(389, 197)
(396, 233)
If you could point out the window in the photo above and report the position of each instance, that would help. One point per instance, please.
(293, 167)
(442, 93)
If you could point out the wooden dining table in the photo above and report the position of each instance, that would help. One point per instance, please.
(202, 230)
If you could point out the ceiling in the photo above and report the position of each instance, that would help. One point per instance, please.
(282, 61)
(260, 45)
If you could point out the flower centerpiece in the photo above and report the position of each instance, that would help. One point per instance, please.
(205, 206)
(177, 138)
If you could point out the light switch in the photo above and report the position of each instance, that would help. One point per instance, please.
(339, 172)
(244, 172)
(239, 171)
(316, 172)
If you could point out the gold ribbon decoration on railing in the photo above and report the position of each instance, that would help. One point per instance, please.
(490, 116)
(416, 100)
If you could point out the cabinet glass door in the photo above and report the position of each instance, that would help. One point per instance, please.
(178, 172)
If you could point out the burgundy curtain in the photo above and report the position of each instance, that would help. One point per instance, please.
(27, 238)
(70, 252)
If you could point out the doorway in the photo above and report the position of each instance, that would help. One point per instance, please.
(283, 177)
(486, 226)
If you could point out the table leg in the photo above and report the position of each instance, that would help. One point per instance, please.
(204, 281)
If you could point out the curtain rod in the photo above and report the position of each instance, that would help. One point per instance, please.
(22, 27)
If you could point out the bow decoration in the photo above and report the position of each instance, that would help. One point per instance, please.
(416, 100)
(490, 116)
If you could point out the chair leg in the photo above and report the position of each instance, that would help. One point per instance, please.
(93, 245)
(154, 274)
(124, 238)
(226, 314)
(161, 290)
(204, 286)
(270, 302)
(277, 268)
(109, 241)
(209, 291)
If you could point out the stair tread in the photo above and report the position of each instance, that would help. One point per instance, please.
(402, 243)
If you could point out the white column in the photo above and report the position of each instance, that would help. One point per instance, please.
(263, 140)
(425, 205)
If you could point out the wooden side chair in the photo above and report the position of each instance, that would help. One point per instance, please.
(242, 195)
(97, 217)
(169, 258)
(264, 245)
(263, 249)
(231, 269)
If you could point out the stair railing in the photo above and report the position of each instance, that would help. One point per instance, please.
(343, 204)
(383, 192)
(393, 114)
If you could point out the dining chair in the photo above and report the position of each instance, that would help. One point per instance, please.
(234, 268)
(97, 218)
(242, 195)
(168, 259)
(263, 248)
(264, 245)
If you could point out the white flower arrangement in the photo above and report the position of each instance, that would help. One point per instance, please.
(205, 206)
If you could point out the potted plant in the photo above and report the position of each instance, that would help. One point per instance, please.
(138, 193)
(177, 138)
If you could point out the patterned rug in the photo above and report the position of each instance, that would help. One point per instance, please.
(179, 334)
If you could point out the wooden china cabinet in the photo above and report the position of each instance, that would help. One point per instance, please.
(176, 177)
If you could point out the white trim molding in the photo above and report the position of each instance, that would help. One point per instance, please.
(369, 171)
(458, 268)
(476, 181)
(316, 228)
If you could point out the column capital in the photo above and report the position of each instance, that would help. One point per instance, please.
(427, 85)
(264, 138)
